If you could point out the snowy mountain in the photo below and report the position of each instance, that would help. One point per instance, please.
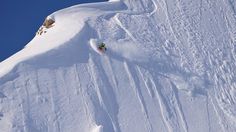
(169, 67)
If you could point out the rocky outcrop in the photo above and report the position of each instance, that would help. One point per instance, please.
(48, 23)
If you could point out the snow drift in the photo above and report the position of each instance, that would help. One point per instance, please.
(170, 66)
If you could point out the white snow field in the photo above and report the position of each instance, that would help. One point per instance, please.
(170, 66)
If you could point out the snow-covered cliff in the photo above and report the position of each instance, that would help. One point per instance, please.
(169, 66)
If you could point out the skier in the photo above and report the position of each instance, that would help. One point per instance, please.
(102, 47)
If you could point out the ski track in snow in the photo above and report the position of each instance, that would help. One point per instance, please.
(188, 59)
(105, 103)
(79, 90)
(163, 106)
(133, 83)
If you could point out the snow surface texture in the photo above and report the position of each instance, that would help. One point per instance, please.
(170, 67)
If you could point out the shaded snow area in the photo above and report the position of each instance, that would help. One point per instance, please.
(169, 67)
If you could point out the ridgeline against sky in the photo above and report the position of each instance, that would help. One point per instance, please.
(20, 21)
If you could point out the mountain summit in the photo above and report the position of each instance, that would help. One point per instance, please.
(169, 66)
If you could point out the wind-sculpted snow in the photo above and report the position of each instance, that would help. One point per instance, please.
(169, 67)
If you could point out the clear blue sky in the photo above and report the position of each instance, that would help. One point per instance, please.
(20, 19)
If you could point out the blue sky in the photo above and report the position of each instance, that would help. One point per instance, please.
(20, 19)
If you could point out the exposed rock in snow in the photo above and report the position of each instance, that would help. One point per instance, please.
(48, 22)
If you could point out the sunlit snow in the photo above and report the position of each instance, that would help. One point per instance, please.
(169, 67)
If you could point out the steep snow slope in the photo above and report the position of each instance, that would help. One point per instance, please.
(170, 66)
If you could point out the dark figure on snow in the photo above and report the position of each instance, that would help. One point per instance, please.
(102, 47)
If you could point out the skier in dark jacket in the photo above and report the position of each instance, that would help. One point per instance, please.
(102, 47)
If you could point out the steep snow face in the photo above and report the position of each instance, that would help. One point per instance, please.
(170, 66)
